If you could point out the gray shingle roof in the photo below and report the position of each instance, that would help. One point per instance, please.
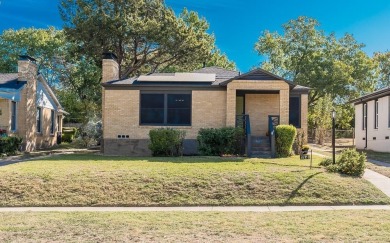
(371, 96)
(10, 81)
(222, 74)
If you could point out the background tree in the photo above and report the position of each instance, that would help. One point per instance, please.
(146, 35)
(332, 66)
(383, 60)
(309, 57)
(45, 45)
(76, 80)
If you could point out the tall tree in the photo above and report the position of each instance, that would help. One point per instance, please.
(146, 35)
(46, 45)
(383, 60)
(329, 65)
(76, 80)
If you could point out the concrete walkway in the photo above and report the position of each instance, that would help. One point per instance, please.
(380, 181)
(196, 209)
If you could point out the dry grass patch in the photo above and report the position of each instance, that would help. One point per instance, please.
(322, 226)
(84, 180)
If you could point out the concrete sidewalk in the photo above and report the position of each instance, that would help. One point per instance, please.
(196, 209)
(380, 181)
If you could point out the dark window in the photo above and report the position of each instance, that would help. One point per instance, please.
(152, 108)
(179, 109)
(58, 123)
(39, 119)
(295, 112)
(165, 109)
(13, 116)
(364, 116)
(52, 122)
(376, 123)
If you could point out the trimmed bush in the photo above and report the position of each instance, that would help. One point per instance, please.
(351, 162)
(285, 136)
(10, 145)
(220, 141)
(68, 134)
(166, 142)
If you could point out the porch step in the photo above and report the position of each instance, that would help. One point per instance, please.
(260, 147)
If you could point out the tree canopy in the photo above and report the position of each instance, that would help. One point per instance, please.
(46, 45)
(309, 57)
(146, 35)
(383, 61)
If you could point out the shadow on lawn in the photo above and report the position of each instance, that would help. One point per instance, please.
(295, 191)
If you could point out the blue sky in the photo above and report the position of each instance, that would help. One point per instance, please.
(237, 24)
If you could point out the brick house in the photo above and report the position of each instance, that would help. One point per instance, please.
(211, 97)
(372, 121)
(28, 106)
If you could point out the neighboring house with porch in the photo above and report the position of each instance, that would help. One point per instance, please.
(372, 121)
(28, 106)
(211, 97)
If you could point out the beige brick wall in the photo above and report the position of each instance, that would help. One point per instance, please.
(45, 138)
(259, 107)
(27, 71)
(5, 117)
(122, 113)
(235, 85)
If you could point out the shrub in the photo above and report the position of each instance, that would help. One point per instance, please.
(10, 145)
(68, 134)
(285, 135)
(299, 141)
(166, 142)
(220, 141)
(351, 162)
(91, 132)
(326, 162)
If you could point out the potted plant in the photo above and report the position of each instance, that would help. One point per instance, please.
(304, 151)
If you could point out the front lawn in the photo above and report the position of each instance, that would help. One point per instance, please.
(380, 156)
(320, 226)
(81, 180)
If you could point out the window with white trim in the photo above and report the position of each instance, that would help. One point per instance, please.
(13, 116)
(39, 119)
(376, 123)
(364, 116)
(52, 122)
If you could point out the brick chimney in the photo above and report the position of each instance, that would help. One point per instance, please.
(27, 71)
(110, 67)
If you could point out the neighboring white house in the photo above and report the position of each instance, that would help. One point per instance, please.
(372, 121)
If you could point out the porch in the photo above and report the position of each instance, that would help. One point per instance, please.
(258, 112)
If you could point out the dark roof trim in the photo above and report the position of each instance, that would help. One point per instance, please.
(109, 55)
(162, 87)
(373, 96)
(255, 71)
(27, 58)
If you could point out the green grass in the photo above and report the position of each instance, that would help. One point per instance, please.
(378, 168)
(81, 180)
(320, 226)
(383, 157)
(379, 156)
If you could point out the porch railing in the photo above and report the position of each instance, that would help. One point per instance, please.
(272, 122)
(243, 121)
